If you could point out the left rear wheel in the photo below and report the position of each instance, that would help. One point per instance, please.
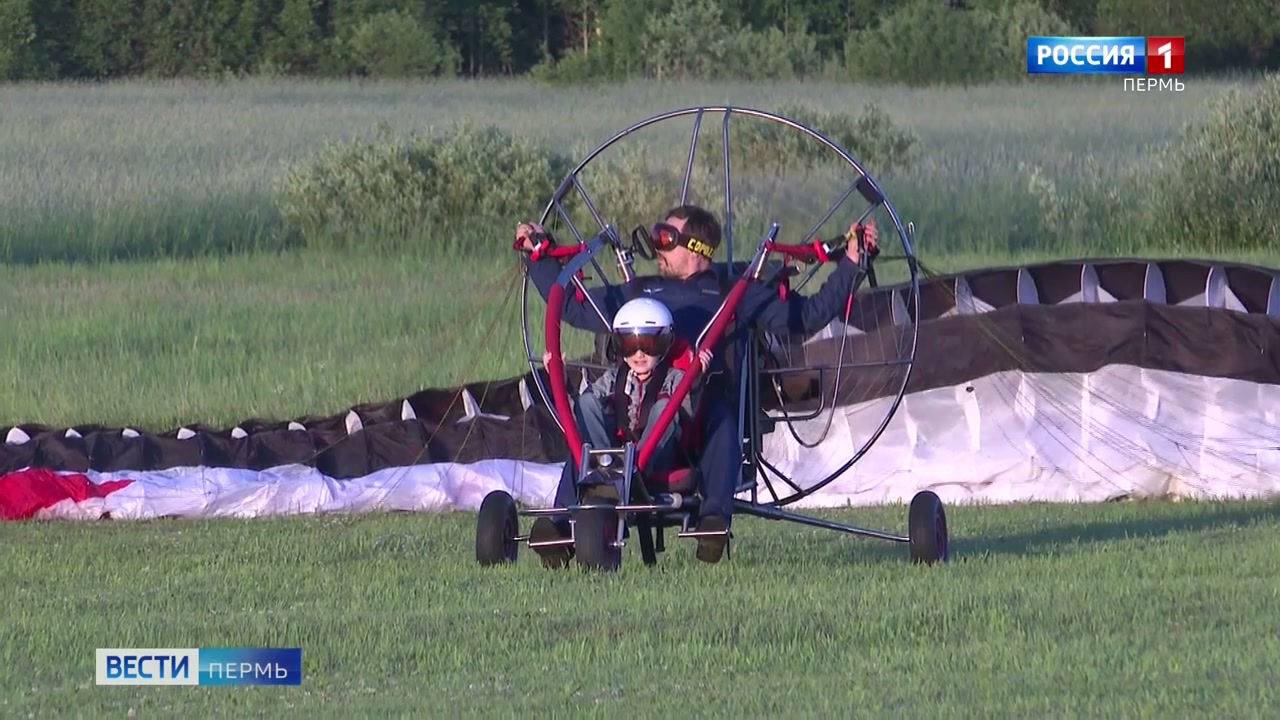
(497, 528)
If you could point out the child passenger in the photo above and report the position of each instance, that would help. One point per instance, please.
(655, 362)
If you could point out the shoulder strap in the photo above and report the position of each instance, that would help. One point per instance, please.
(620, 402)
(649, 396)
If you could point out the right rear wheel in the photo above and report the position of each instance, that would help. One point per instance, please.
(927, 529)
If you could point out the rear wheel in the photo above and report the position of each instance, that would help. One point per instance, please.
(594, 533)
(496, 529)
(927, 529)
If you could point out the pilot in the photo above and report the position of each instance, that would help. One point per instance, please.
(691, 287)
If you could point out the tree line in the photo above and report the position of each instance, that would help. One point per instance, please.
(914, 41)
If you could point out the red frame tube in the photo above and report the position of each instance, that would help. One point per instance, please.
(560, 251)
(817, 251)
(555, 369)
(709, 340)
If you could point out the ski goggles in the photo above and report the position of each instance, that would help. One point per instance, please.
(665, 237)
(654, 343)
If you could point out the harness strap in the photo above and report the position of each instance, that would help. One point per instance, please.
(649, 396)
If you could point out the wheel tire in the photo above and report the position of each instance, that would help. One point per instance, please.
(497, 528)
(927, 529)
(594, 532)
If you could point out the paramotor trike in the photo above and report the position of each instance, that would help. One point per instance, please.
(616, 493)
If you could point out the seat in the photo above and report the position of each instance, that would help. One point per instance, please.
(683, 478)
(676, 481)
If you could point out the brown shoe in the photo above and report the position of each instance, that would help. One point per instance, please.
(711, 547)
(553, 557)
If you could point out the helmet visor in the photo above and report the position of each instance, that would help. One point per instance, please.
(654, 343)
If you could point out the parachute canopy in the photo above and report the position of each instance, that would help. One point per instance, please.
(1066, 381)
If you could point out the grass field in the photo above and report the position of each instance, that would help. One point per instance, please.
(144, 284)
(1117, 610)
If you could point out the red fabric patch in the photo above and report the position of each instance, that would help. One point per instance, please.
(27, 492)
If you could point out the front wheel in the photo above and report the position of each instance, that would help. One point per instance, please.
(927, 529)
(497, 528)
(595, 533)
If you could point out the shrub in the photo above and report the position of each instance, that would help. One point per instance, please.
(395, 44)
(674, 53)
(1218, 187)
(575, 68)
(769, 54)
(386, 192)
(632, 185)
(924, 42)
(871, 138)
(1243, 34)
(719, 50)
(659, 50)
(625, 187)
(1096, 215)
(18, 44)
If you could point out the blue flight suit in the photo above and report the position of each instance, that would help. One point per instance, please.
(693, 302)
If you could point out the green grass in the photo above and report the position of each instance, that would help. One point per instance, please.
(224, 339)
(1132, 610)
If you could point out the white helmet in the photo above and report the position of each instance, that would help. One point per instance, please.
(643, 315)
(644, 325)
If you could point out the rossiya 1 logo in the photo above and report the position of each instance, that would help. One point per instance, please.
(1166, 55)
(1156, 63)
